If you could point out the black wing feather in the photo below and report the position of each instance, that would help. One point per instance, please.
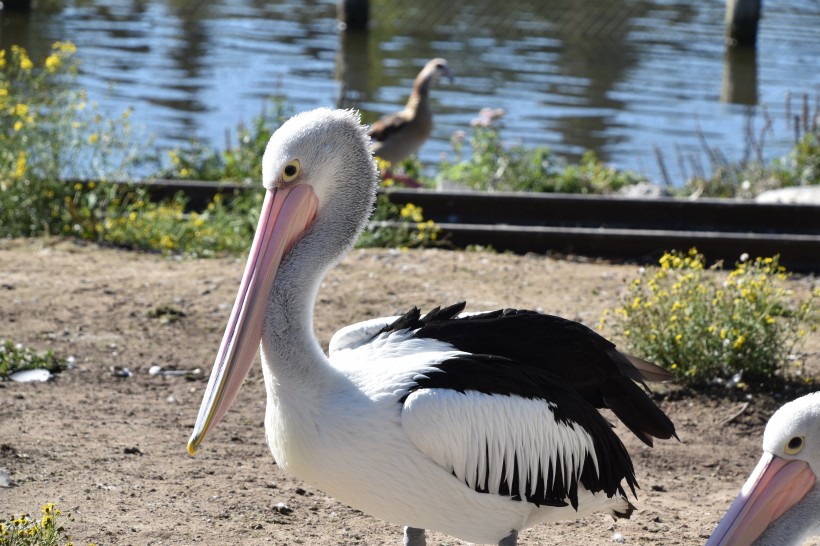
(574, 354)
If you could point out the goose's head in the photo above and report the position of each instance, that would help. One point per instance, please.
(320, 180)
(786, 474)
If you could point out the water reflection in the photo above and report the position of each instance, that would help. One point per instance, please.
(620, 77)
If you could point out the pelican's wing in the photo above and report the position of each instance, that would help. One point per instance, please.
(566, 351)
(355, 335)
(503, 427)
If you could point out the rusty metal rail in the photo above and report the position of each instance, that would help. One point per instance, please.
(611, 227)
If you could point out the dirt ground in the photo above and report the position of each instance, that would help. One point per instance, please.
(111, 450)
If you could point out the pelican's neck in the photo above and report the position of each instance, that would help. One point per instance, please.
(290, 350)
(291, 353)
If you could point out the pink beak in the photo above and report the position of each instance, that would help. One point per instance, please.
(286, 213)
(776, 484)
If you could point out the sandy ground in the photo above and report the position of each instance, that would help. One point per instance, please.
(111, 450)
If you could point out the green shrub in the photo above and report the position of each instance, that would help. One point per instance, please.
(707, 327)
(16, 357)
(240, 162)
(495, 166)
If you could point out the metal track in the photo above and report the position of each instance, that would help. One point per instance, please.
(611, 227)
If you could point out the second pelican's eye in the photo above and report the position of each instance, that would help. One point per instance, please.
(291, 170)
(794, 446)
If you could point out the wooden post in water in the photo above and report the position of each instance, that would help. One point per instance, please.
(354, 14)
(741, 22)
(15, 5)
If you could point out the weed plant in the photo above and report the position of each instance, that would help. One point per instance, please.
(740, 328)
(50, 135)
(397, 226)
(17, 357)
(492, 165)
(240, 162)
(22, 530)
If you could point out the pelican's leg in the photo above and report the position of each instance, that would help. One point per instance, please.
(414, 537)
(510, 540)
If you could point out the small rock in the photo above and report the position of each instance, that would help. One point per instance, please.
(5, 478)
(619, 538)
(120, 371)
(30, 376)
(806, 195)
(132, 451)
(644, 190)
(283, 508)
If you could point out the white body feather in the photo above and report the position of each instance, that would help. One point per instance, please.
(350, 440)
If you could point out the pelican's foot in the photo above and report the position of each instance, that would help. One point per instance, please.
(510, 540)
(414, 537)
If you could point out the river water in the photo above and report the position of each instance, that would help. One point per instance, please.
(631, 80)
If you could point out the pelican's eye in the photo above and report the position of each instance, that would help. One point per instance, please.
(291, 170)
(794, 446)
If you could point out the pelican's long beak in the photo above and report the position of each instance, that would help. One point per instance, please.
(776, 484)
(286, 213)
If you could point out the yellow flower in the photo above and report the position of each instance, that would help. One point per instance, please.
(22, 160)
(2, 58)
(723, 333)
(93, 138)
(166, 242)
(636, 302)
(26, 64)
(412, 212)
(66, 48)
(18, 125)
(627, 332)
(679, 338)
(53, 63)
(20, 110)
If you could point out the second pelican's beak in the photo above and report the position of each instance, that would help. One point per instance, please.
(286, 213)
(776, 484)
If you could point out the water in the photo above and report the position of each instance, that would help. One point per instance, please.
(630, 80)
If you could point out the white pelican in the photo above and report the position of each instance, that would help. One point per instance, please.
(779, 505)
(477, 427)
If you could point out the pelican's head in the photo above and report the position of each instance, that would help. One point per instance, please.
(319, 177)
(786, 474)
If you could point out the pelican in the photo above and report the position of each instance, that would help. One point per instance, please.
(779, 505)
(475, 425)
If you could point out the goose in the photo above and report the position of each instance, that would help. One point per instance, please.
(477, 425)
(399, 135)
(779, 505)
